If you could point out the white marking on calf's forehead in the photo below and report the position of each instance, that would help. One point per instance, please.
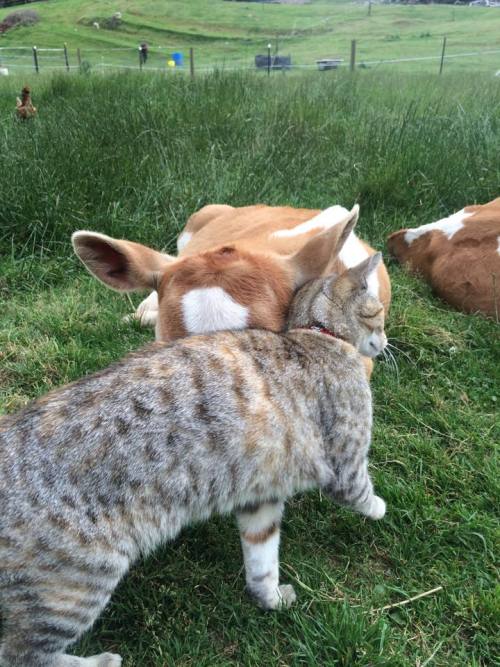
(183, 240)
(324, 220)
(449, 226)
(353, 253)
(212, 309)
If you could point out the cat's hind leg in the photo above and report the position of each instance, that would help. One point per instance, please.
(42, 619)
(260, 537)
(354, 489)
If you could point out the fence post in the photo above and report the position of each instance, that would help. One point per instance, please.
(35, 59)
(79, 59)
(268, 59)
(191, 62)
(353, 55)
(140, 58)
(442, 56)
(66, 60)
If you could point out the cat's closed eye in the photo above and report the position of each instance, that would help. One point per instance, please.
(370, 313)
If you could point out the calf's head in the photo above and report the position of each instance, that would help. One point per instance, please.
(228, 287)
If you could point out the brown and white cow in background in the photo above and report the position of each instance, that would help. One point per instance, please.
(458, 256)
(236, 267)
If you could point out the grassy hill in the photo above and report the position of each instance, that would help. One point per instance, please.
(231, 33)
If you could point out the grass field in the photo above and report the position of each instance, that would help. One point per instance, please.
(229, 34)
(133, 156)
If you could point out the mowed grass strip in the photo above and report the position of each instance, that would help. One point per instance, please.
(133, 157)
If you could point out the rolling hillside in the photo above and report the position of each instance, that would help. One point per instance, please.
(231, 33)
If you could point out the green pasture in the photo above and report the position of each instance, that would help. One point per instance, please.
(230, 34)
(133, 156)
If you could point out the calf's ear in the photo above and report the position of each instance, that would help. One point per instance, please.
(396, 243)
(311, 260)
(124, 266)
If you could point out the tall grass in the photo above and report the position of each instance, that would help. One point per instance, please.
(133, 156)
(136, 155)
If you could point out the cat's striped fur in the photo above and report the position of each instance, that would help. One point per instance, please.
(104, 469)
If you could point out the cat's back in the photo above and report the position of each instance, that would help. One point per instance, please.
(204, 402)
(136, 413)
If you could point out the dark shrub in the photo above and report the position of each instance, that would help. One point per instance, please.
(22, 17)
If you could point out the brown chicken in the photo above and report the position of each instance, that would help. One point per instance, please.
(25, 108)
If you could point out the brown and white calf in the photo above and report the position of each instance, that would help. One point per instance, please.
(236, 267)
(459, 256)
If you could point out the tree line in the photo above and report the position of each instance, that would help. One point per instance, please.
(11, 3)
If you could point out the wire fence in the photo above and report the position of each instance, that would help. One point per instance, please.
(24, 59)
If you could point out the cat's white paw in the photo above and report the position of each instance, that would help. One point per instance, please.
(287, 595)
(104, 660)
(377, 509)
(282, 597)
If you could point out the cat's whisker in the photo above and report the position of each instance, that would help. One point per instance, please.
(396, 366)
(392, 346)
(390, 359)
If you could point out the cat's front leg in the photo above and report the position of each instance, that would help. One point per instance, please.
(355, 490)
(260, 538)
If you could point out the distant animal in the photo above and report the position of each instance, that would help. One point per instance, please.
(102, 470)
(24, 105)
(236, 267)
(96, 25)
(458, 256)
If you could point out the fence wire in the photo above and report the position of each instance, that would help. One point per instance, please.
(171, 59)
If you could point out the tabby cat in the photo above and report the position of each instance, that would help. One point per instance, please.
(104, 469)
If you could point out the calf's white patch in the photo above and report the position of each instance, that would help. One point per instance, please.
(212, 309)
(449, 226)
(183, 240)
(353, 253)
(324, 220)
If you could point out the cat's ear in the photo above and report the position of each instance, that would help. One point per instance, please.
(359, 275)
(311, 260)
(124, 266)
(328, 283)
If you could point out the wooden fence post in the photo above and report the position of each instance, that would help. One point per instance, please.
(79, 59)
(441, 65)
(268, 59)
(140, 58)
(353, 55)
(66, 60)
(191, 62)
(35, 59)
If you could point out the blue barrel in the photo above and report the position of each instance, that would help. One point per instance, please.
(178, 59)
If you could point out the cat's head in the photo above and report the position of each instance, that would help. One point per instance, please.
(344, 305)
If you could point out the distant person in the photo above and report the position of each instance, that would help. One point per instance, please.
(144, 52)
